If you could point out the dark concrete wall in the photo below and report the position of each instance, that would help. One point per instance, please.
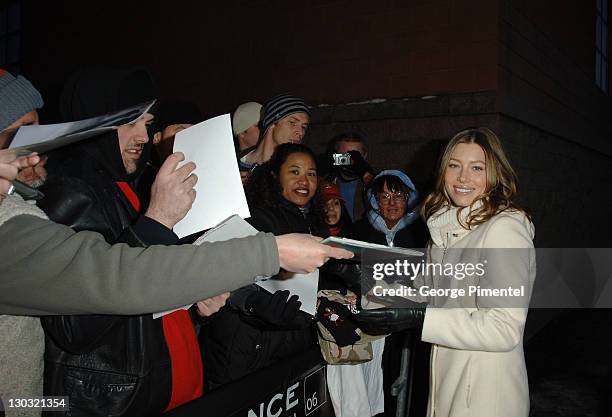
(555, 120)
(546, 70)
(563, 183)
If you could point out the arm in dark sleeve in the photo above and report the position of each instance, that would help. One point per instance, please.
(145, 232)
(79, 334)
(47, 268)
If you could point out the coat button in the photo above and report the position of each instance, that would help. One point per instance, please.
(258, 346)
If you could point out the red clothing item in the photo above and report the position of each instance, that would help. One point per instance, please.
(335, 230)
(187, 376)
(129, 194)
(181, 339)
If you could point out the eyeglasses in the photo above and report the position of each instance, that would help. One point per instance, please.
(386, 198)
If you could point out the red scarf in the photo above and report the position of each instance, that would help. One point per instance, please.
(335, 230)
(182, 342)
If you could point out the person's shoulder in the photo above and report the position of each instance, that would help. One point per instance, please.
(62, 186)
(512, 218)
(510, 228)
(264, 218)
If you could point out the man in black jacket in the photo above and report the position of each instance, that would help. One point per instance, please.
(92, 186)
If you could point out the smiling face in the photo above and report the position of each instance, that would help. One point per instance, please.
(291, 128)
(392, 205)
(132, 138)
(298, 178)
(465, 176)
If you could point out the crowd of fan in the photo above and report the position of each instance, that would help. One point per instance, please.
(125, 185)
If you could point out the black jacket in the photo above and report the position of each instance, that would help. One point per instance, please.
(80, 192)
(236, 341)
(107, 365)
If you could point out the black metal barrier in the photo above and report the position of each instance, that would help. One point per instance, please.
(295, 387)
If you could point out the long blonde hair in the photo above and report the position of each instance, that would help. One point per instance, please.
(501, 180)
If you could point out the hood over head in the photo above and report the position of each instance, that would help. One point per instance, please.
(96, 91)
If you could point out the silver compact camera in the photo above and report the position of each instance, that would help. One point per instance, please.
(342, 159)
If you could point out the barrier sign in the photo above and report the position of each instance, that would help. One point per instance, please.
(304, 396)
(293, 387)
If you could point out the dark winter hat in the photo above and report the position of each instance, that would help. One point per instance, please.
(281, 106)
(17, 97)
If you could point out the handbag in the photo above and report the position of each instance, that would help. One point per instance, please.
(340, 340)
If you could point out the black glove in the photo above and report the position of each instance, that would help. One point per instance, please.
(359, 165)
(277, 309)
(349, 273)
(388, 320)
(335, 317)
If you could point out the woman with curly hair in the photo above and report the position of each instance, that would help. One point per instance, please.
(259, 328)
(477, 362)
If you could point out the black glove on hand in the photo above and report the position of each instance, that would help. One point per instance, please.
(347, 272)
(335, 317)
(388, 320)
(359, 165)
(277, 309)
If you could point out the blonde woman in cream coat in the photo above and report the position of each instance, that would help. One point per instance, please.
(477, 361)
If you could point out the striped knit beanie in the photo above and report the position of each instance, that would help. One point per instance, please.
(17, 97)
(281, 106)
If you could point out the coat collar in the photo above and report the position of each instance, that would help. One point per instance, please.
(445, 227)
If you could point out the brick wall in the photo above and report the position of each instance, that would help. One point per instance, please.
(514, 72)
(221, 54)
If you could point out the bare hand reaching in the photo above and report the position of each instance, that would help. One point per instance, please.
(210, 306)
(304, 253)
(172, 193)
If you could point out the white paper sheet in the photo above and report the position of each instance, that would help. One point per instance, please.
(302, 285)
(219, 190)
(43, 138)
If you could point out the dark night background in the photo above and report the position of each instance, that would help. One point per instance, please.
(406, 74)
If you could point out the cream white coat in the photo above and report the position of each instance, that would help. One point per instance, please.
(477, 361)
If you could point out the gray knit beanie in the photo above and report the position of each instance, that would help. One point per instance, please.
(17, 97)
(281, 106)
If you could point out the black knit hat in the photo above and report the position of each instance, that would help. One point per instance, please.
(17, 97)
(281, 106)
